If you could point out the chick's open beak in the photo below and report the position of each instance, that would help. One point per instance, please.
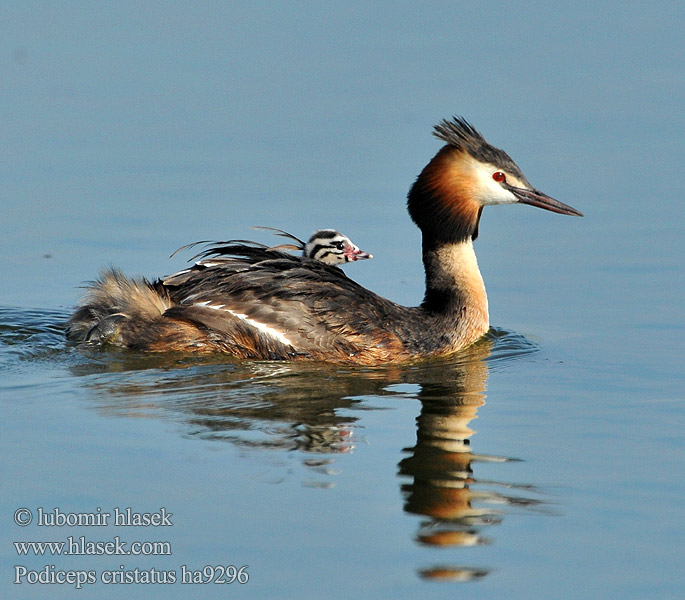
(353, 253)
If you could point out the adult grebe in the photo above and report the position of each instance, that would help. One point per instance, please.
(250, 301)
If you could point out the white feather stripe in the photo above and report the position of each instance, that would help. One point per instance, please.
(267, 329)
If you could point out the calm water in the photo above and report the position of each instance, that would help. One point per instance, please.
(544, 462)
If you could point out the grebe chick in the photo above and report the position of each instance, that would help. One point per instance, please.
(249, 301)
(325, 245)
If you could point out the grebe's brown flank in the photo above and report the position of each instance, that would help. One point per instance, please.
(251, 301)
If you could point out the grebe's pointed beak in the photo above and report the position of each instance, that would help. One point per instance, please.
(353, 253)
(541, 200)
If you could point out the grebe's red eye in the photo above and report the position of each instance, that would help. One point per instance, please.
(499, 177)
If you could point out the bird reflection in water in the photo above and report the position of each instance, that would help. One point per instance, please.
(315, 409)
(440, 482)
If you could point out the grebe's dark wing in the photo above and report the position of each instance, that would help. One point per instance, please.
(302, 306)
(222, 254)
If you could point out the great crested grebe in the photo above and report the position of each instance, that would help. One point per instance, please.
(250, 301)
(325, 245)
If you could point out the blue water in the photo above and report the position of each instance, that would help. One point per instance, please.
(545, 462)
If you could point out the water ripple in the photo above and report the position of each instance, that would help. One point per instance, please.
(31, 335)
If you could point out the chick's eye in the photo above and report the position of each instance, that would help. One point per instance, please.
(499, 177)
(338, 245)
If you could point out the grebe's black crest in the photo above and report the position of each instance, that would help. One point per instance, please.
(460, 134)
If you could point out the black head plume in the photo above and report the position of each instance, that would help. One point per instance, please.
(460, 134)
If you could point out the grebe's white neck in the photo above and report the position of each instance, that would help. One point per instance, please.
(455, 289)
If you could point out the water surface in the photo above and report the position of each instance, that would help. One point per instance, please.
(545, 462)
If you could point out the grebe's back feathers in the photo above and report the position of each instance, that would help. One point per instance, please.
(302, 303)
(249, 301)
